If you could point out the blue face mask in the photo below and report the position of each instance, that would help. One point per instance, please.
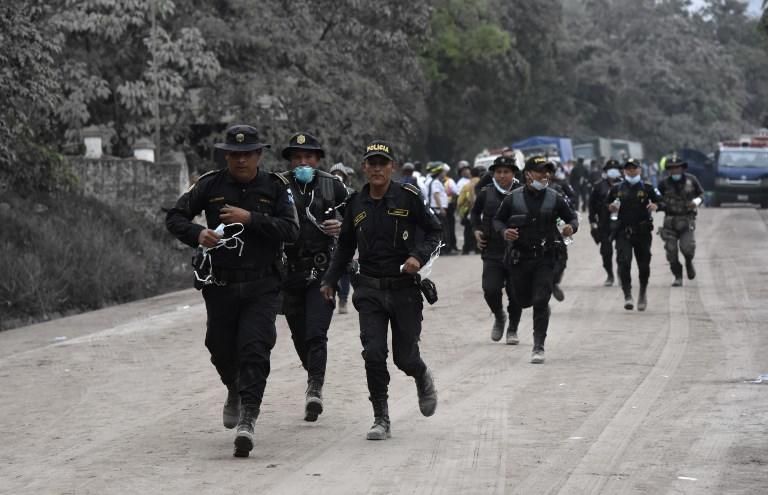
(632, 179)
(613, 173)
(677, 176)
(304, 174)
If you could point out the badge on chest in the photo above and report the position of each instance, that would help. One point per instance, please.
(398, 212)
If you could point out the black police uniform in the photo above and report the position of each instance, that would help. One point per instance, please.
(495, 275)
(384, 233)
(243, 305)
(532, 257)
(601, 217)
(634, 231)
(307, 313)
(565, 189)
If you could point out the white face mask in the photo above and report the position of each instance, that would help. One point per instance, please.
(538, 185)
(559, 175)
(632, 179)
(613, 173)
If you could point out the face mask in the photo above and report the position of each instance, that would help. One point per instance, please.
(560, 175)
(632, 179)
(304, 174)
(613, 173)
(677, 176)
(538, 185)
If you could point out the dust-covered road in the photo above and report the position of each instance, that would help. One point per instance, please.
(626, 402)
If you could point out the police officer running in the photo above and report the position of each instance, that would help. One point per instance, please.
(381, 222)
(681, 196)
(634, 201)
(600, 218)
(560, 183)
(239, 273)
(495, 274)
(318, 196)
(528, 219)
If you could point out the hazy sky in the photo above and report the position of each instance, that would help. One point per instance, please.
(754, 5)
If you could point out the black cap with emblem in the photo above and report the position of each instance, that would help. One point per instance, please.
(379, 147)
(241, 137)
(303, 141)
(539, 164)
(631, 162)
(504, 161)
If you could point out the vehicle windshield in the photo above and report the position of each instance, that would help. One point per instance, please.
(744, 158)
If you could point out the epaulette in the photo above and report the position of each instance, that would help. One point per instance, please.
(280, 177)
(411, 188)
(209, 173)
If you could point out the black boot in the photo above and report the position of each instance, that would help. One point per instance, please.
(498, 326)
(231, 413)
(313, 406)
(628, 304)
(609, 280)
(425, 389)
(677, 271)
(381, 428)
(245, 428)
(689, 269)
(642, 301)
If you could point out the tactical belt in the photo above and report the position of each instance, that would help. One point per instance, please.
(383, 283)
(234, 276)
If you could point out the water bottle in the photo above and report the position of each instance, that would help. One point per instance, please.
(615, 214)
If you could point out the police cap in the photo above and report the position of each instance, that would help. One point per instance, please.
(539, 164)
(303, 141)
(631, 162)
(676, 162)
(381, 148)
(504, 161)
(241, 137)
(612, 164)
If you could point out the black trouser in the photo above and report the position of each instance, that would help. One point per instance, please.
(606, 248)
(449, 227)
(639, 242)
(561, 262)
(582, 192)
(470, 244)
(531, 282)
(241, 333)
(309, 315)
(495, 279)
(377, 308)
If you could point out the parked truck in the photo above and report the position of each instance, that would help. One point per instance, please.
(741, 170)
(600, 148)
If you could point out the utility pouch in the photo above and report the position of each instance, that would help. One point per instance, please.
(429, 290)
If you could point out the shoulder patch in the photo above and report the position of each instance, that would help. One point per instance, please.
(411, 188)
(279, 177)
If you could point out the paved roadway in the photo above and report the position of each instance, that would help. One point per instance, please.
(627, 403)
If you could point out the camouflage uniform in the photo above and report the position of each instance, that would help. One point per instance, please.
(680, 220)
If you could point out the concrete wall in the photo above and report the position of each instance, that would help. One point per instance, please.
(143, 186)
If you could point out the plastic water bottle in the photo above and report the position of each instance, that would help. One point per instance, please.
(615, 214)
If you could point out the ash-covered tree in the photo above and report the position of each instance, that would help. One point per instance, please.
(117, 64)
(30, 91)
(345, 70)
